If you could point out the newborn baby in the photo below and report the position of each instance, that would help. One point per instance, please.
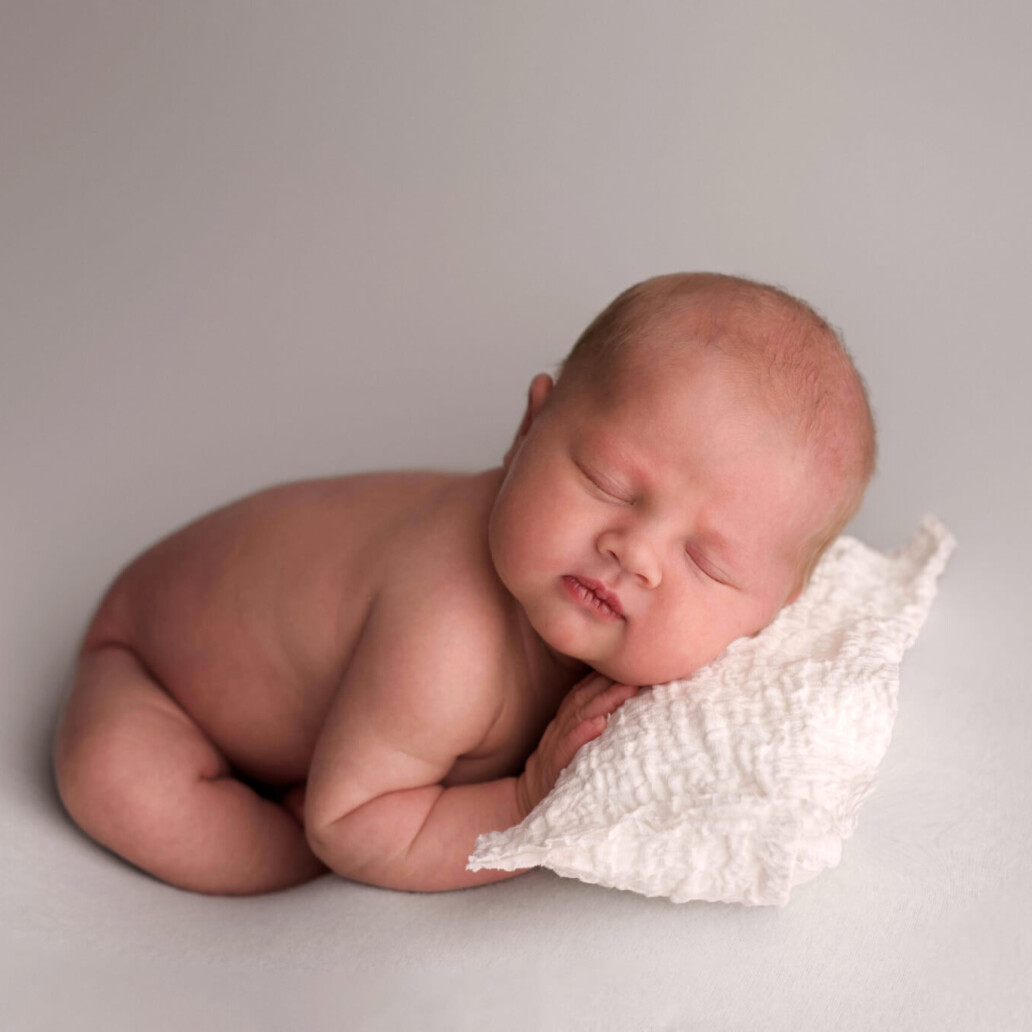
(364, 673)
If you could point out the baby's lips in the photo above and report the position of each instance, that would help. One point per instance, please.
(610, 598)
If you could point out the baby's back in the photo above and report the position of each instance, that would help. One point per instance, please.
(248, 615)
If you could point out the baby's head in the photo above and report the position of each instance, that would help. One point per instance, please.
(707, 438)
(783, 355)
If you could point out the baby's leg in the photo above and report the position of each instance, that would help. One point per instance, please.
(139, 776)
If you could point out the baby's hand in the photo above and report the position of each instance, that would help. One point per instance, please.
(582, 716)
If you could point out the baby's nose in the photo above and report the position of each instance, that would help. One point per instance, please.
(635, 554)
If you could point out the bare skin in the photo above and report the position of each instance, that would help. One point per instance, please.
(232, 637)
(365, 673)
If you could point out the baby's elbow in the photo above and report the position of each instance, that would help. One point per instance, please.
(317, 843)
(330, 842)
(347, 848)
(350, 857)
(332, 833)
(355, 849)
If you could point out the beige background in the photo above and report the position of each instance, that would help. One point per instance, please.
(243, 242)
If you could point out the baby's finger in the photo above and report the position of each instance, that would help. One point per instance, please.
(609, 700)
(589, 686)
(595, 720)
(578, 736)
(580, 696)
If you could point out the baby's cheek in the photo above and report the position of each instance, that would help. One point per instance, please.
(670, 650)
(510, 544)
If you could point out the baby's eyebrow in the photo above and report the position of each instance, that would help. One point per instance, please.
(611, 450)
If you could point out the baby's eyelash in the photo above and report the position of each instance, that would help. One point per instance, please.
(606, 489)
(589, 476)
(704, 567)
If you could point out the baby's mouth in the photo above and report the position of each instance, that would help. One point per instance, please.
(595, 594)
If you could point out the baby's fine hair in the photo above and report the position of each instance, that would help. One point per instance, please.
(802, 364)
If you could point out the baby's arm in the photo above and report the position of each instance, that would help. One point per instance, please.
(413, 700)
(415, 697)
(582, 716)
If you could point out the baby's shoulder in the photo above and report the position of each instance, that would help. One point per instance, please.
(438, 571)
(441, 550)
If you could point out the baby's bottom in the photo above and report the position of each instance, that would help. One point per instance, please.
(138, 775)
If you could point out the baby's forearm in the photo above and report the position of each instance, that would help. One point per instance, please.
(419, 838)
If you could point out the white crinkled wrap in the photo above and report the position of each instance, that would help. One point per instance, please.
(742, 781)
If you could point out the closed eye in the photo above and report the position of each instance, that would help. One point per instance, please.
(704, 567)
(603, 486)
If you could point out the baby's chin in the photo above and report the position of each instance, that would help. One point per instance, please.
(646, 675)
(624, 670)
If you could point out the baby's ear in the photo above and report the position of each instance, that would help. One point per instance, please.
(540, 388)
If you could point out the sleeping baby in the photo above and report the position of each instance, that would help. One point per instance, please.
(365, 673)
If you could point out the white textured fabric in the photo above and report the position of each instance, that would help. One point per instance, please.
(742, 781)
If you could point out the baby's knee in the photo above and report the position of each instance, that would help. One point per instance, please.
(115, 775)
(100, 774)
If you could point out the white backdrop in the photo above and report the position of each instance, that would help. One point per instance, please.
(243, 242)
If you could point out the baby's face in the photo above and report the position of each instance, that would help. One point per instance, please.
(643, 535)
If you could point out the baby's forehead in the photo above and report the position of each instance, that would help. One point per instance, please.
(654, 370)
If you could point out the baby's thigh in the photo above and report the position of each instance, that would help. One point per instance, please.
(241, 707)
(250, 713)
(138, 775)
(123, 744)
(208, 626)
